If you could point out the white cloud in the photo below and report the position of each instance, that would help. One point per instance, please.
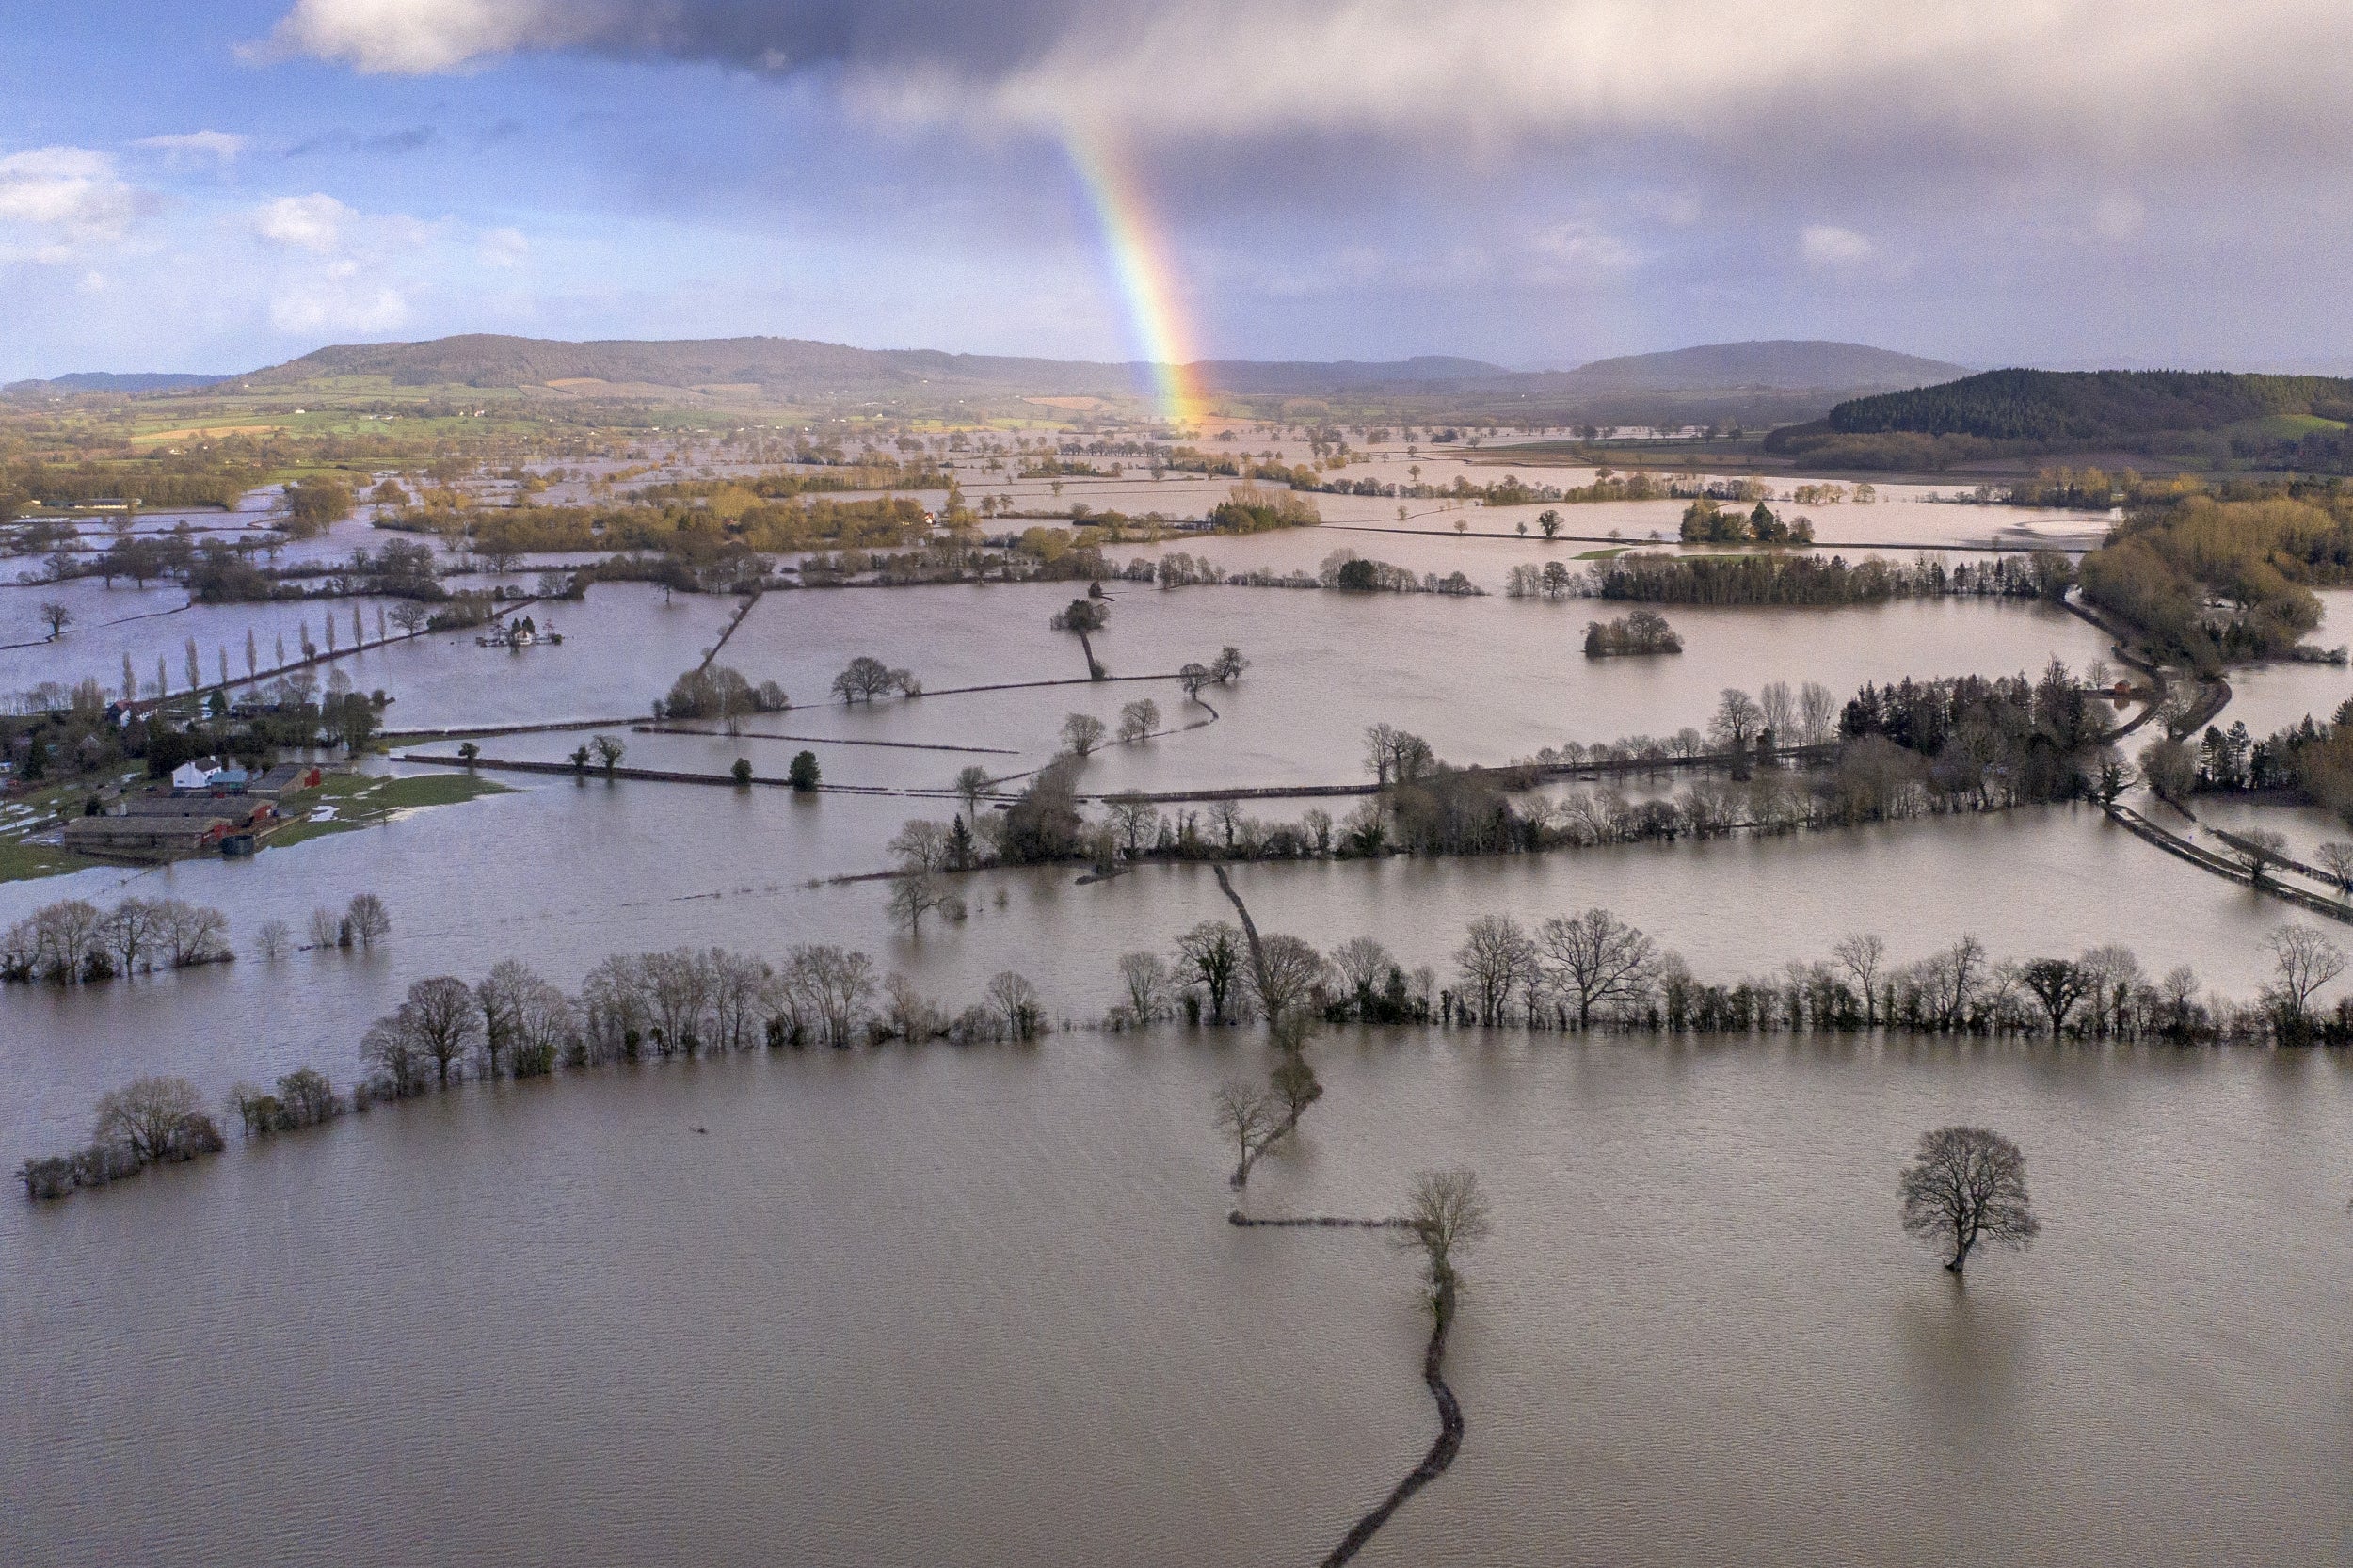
(504, 248)
(337, 306)
(1827, 245)
(61, 197)
(1585, 248)
(224, 145)
(420, 37)
(314, 222)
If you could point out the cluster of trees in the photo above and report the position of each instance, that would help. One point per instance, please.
(1248, 509)
(315, 503)
(1904, 751)
(155, 478)
(1552, 580)
(515, 1023)
(710, 542)
(148, 1121)
(305, 1098)
(1810, 580)
(719, 692)
(2310, 758)
(1705, 522)
(1210, 978)
(1998, 742)
(2210, 580)
(76, 942)
(866, 679)
(1643, 631)
(1594, 970)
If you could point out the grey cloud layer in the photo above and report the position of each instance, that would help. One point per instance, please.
(2120, 83)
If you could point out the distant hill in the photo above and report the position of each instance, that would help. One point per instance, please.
(789, 367)
(2046, 406)
(1778, 365)
(110, 381)
(2188, 416)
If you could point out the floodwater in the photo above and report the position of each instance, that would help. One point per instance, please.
(984, 1307)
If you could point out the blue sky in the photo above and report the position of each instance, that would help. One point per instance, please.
(2057, 182)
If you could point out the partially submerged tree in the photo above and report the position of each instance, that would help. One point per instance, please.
(154, 1119)
(1249, 1117)
(1597, 959)
(1082, 733)
(366, 920)
(2302, 961)
(2059, 984)
(1444, 1211)
(1967, 1184)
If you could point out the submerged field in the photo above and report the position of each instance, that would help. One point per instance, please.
(981, 1305)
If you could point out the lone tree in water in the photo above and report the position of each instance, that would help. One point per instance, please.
(1965, 1186)
(1445, 1211)
(1253, 1118)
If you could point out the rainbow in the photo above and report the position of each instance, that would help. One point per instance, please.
(1144, 265)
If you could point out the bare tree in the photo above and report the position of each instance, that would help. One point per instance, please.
(609, 750)
(371, 922)
(1864, 956)
(916, 893)
(395, 1055)
(154, 1119)
(1967, 1184)
(1284, 972)
(1138, 720)
(1133, 819)
(189, 933)
(921, 846)
(1362, 964)
(1210, 955)
(1147, 978)
(57, 616)
(1737, 720)
(1249, 1117)
(325, 929)
(1444, 1211)
(1082, 733)
(971, 784)
(2336, 858)
(1494, 960)
(1818, 712)
(443, 1018)
(1016, 1001)
(524, 1020)
(2261, 848)
(2302, 961)
(272, 940)
(1781, 711)
(1600, 959)
(131, 933)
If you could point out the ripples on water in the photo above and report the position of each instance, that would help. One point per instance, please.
(982, 1307)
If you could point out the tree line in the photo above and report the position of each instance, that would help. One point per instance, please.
(1814, 581)
(1591, 970)
(516, 1024)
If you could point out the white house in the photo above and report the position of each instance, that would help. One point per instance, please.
(191, 776)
